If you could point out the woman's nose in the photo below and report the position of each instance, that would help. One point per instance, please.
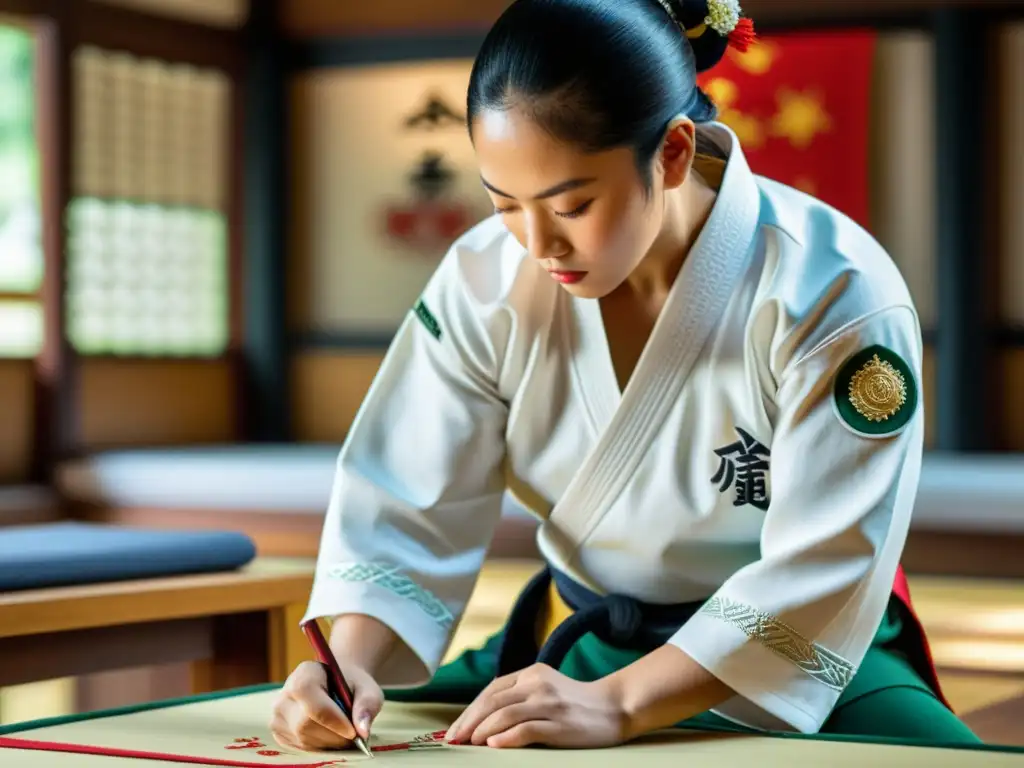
(544, 241)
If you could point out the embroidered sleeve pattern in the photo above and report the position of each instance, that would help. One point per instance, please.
(819, 662)
(391, 579)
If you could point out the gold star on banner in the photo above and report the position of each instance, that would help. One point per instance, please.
(758, 59)
(800, 117)
(747, 128)
(723, 92)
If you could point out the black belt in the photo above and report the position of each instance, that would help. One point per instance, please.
(618, 620)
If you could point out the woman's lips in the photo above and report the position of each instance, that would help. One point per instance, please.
(567, 277)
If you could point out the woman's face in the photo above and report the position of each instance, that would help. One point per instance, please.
(584, 217)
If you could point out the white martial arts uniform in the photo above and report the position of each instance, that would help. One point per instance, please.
(735, 467)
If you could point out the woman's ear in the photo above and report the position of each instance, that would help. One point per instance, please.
(678, 150)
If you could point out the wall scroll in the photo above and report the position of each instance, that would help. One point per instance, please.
(386, 181)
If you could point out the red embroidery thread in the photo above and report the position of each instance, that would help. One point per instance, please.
(246, 743)
(85, 749)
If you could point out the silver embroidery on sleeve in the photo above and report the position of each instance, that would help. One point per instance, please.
(819, 662)
(392, 579)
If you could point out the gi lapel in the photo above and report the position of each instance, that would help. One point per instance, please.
(593, 372)
(694, 307)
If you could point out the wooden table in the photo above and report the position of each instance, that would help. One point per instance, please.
(235, 629)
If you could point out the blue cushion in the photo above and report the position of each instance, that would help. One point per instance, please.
(71, 553)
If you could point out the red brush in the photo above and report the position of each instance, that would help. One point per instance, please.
(337, 687)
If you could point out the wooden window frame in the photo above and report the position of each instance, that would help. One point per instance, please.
(33, 296)
(63, 26)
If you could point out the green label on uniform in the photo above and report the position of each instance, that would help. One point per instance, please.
(427, 318)
(875, 392)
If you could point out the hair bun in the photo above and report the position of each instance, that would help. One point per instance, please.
(712, 27)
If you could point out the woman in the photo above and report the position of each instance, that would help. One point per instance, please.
(704, 383)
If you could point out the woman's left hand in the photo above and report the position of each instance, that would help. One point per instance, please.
(539, 705)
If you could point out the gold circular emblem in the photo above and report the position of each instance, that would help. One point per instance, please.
(877, 390)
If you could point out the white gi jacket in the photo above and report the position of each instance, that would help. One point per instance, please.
(764, 455)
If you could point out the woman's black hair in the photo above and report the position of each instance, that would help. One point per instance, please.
(597, 74)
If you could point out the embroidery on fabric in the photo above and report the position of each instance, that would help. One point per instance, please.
(819, 662)
(393, 580)
(875, 393)
(427, 318)
(744, 464)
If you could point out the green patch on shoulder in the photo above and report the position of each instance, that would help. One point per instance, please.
(427, 318)
(875, 393)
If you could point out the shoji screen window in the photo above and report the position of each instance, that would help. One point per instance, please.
(147, 240)
(21, 255)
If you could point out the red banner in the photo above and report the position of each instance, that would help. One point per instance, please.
(800, 104)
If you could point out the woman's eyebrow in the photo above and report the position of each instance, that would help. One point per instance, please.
(558, 189)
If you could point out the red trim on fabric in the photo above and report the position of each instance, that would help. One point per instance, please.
(901, 588)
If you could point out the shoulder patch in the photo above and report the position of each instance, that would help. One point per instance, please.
(427, 318)
(875, 393)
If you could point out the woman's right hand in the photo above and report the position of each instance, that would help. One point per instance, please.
(305, 717)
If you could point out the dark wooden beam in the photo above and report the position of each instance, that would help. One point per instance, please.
(123, 29)
(236, 227)
(266, 211)
(86, 22)
(308, 19)
(55, 374)
(963, 346)
(51, 8)
(326, 53)
(800, 11)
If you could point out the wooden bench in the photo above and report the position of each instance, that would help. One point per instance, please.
(237, 628)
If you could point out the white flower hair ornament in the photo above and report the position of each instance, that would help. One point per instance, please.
(725, 17)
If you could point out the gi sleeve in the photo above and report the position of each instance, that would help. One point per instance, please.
(419, 482)
(788, 631)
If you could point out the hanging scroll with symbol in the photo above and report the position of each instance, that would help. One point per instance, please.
(387, 181)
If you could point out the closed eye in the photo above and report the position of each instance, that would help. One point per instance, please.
(576, 211)
(579, 211)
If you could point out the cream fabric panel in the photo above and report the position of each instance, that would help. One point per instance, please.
(218, 13)
(35, 701)
(328, 387)
(147, 245)
(1011, 45)
(903, 162)
(357, 163)
(147, 130)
